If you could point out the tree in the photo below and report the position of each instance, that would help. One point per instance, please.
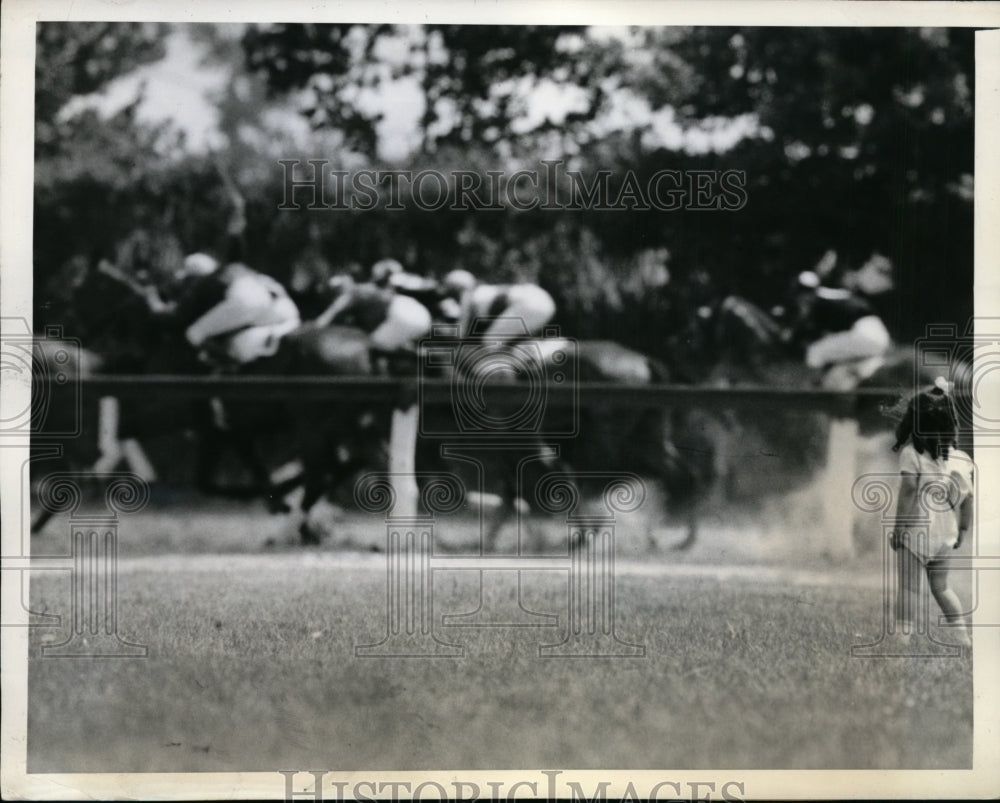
(851, 139)
(864, 141)
(80, 58)
(104, 185)
(328, 65)
(474, 80)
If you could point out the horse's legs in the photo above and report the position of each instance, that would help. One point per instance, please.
(247, 450)
(314, 476)
(497, 521)
(535, 535)
(210, 443)
(41, 520)
(215, 435)
(108, 443)
(277, 492)
(137, 460)
(114, 448)
(692, 531)
(331, 457)
(329, 476)
(320, 469)
(495, 525)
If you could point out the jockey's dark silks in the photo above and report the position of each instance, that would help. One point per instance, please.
(369, 306)
(833, 311)
(838, 328)
(428, 293)
(510, 310)
(198, 294)
(499, 303)
(243, 312)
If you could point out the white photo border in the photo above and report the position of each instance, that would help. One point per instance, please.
(16, 167)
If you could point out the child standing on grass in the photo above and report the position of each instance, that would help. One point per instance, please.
(934, 512)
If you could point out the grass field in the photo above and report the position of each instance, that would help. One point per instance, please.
(251, 666)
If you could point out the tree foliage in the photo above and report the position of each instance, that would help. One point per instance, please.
(106, 186)
(80, 58)
(865, 141)
(328, 65)
(851, 139)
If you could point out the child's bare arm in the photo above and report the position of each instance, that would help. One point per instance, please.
(906, 507)
(965, 511)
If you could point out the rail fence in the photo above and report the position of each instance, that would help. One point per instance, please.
(408, 395)
(439, 391)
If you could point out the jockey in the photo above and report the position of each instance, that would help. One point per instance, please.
(393, 321)
(841, 324)
(234, 310)
(513, 310)
(230, 311)
(389, 273)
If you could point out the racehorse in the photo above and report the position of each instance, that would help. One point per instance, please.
(122, 330)
(75, 431)
(760, 453)
(91, 436)
(333, 439)
(330, 438)
(656, 443)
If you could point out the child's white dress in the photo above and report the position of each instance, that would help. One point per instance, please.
(942, 486)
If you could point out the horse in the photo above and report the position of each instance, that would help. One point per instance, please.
(72, 430)
(120, 328)
(760, 454)
(318, 432)
(663, 445)
(93, 436)
(333, 439)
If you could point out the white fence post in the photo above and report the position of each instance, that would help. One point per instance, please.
(402, 460)
(837, 527)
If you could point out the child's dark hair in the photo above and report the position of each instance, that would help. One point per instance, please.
(929, 423)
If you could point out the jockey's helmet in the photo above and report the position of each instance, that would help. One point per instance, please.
(458, 281)
(809, 279)
(340, 283)
(198, 265)
(384, 269)
(874, 277)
